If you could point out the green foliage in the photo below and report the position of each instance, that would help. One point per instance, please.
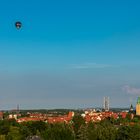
(124, 133)
(13, 122)
(31, 127)
(40, 125)
(105, 132)
(24, 131)
(92, 131)
(14, 134)
(2, 137)
(78, 121)
(136, 119)
(4, 127)
(135, 132)
(83, 132)
(58, 132)
(129, 133)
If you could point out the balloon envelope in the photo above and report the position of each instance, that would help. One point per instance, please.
(18, 24)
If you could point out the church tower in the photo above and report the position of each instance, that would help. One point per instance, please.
(138, 106)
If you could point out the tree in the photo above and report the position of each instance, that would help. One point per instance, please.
(106, 132)
(4, 127)
(31, 127)
(135, 132)
(24, 131)
(124, 133)
(78, 121)
(14, 134)
(58, 132)
(83, 132)
(40, 125)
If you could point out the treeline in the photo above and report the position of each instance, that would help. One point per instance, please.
(54, 112)
(77, 129)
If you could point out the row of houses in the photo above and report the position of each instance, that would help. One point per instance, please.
(95, 117)
(87, 115)
(43, 117)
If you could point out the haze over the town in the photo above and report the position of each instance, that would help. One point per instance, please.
(69, 54)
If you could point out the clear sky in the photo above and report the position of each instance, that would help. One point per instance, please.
(69, 53)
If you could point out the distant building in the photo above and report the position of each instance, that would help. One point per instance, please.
(106, 104)
(131, 109)
(1, 115)
(138, 106)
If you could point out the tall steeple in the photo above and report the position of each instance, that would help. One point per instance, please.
(131, 108)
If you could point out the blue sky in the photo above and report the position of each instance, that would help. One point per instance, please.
(69, 54)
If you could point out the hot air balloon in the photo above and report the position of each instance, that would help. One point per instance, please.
(18, 24)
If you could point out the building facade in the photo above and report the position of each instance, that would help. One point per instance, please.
(138, 106)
